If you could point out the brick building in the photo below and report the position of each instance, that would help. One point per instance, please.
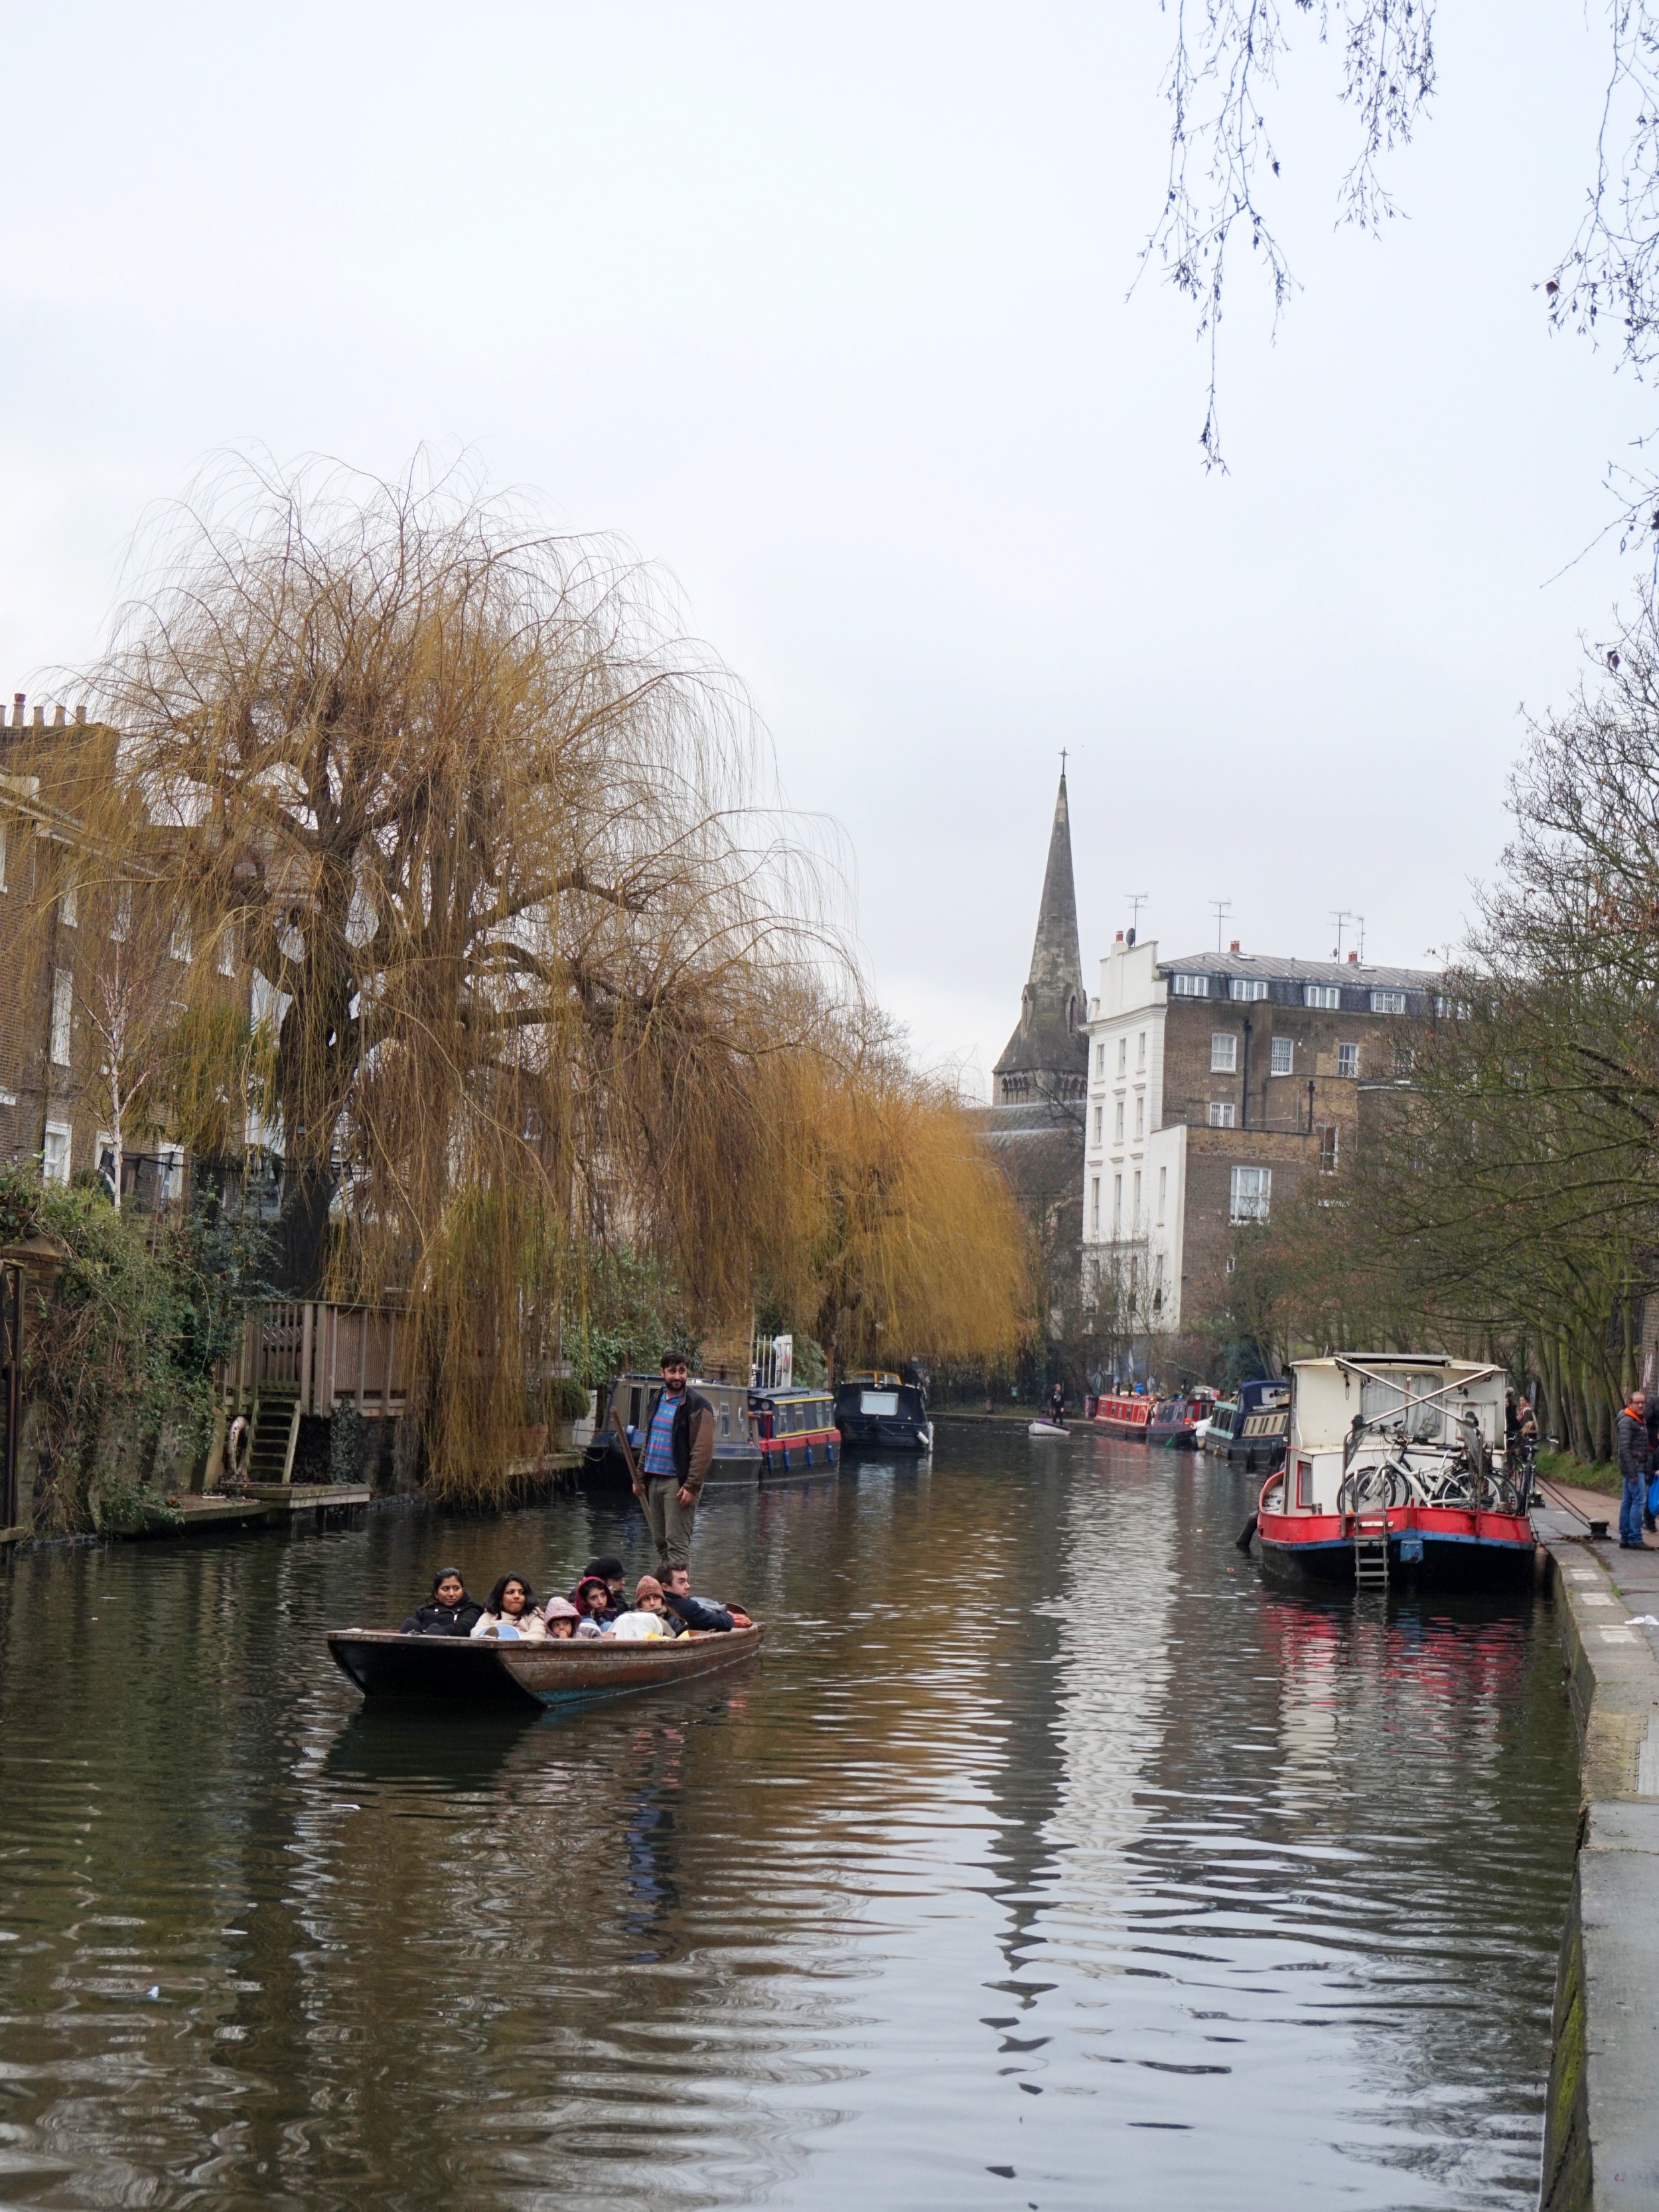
(1217, 1083)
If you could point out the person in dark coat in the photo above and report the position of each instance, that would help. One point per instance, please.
(1635, 1465)
(448, 1612)
(691, 1611)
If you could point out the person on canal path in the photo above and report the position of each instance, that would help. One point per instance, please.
(1635, 1465)
(679, 1450)
(510, 1611)
(448, 1612)
(644, 1624)
(688, 1612)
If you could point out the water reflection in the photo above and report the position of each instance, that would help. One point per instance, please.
(1048, 1856)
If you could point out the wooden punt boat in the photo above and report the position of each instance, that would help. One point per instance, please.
(385, 1663)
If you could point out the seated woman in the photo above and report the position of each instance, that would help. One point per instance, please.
(448, 1612)
(510, 1611)
(592, 1603)
(560, 1617)
(644, 1624)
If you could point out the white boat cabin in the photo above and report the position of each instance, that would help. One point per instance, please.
(1420, 1414)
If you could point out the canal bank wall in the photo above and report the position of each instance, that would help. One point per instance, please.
(1602, 2119)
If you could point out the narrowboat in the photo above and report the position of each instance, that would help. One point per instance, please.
(382, 1662)
(882, 1411)
(1124, 1415)
(1213, 1436)
(1260, 1426)
(737, 1454)
(794, 1430)
(1395, 1466)
(1174, 1420)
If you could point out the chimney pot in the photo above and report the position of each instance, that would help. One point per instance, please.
(1120, 937)
(1233, 947)
(1353, 960)
(80, 712)
(17, 710)
(58, 715)
(39, 718)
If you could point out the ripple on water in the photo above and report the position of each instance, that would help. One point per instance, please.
(1048, 1856)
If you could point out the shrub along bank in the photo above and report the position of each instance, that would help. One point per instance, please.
(122, 1324)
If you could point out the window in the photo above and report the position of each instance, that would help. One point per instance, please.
(179, 946)
(1304, 1489)
(1162, 1192)
(1100, 1122)
(1100, 1059)
(1117, 1206)
(1457, 1010)
(2, 859)
(68, 905)
(228, 951)
(1222, 1113)
(1387, 1002)
(121, 927)
(1224, 1052)
(63, 991)
(1347, 1060)
(1140, 1049)
(1140, 1119)
(1321, 994)
(55, 1154)
(1327, 1141)
(1136, 1203)
(1190, 987)
(1123, 1056)
(169, 1174)
(1404, 1061)
(1283, 1059)
(1094, 1205)
(1252, 1188)
(1117, 1124)
(1247, 987)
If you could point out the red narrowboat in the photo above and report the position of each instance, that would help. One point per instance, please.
(795, 1429)
(1126, 1416)
(1396, 1466)
(1174, 1420)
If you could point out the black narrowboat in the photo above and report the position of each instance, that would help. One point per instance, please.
(882, 1411)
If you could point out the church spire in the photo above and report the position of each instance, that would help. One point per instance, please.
(1046, 1057)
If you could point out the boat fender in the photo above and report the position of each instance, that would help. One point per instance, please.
(1246, 1535)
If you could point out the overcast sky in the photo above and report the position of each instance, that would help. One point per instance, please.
(823, 308)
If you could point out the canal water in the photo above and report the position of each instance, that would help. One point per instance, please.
(1049, 1856)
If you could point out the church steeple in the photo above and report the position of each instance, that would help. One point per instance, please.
(1046, 1057)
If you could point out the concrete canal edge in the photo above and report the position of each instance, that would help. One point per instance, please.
(1601, 2117)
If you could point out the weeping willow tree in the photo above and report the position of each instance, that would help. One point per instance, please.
(481, 830)
(470, 913)
(897, 1237)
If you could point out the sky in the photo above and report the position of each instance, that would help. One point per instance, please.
(823, 309)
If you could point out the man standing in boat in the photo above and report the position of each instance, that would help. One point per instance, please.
(679, 1450)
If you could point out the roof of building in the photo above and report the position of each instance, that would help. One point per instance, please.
(1046, 1038)
(1354, 973)
(1031, 1117)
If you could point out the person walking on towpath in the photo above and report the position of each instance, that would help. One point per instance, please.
(1635, 1465)
(679, 1450)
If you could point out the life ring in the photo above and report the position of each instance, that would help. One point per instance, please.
(238, 1448)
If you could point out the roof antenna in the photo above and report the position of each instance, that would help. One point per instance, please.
(1135, 901)
(1220, 909)
(1339, 918)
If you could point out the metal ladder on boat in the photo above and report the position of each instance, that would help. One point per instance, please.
(1370, 1551)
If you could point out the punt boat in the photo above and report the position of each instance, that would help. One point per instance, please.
(1125, 1415)
(385, 1663)
(1395, 1465)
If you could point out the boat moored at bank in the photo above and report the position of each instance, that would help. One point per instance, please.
(880, 1412)
(1262, 1422)
(795, 1430)
(1124, 1415)
(1174, 1421)
(1395, 1465)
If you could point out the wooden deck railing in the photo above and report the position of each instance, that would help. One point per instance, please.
(331, 1355)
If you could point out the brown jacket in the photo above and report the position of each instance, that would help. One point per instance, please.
(693, 1438)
